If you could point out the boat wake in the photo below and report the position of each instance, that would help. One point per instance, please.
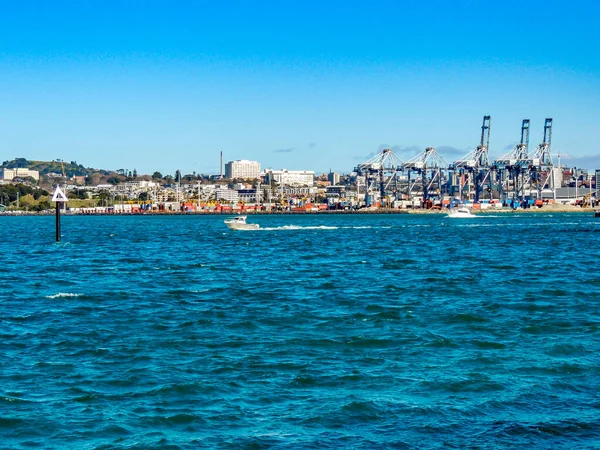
(315, 227)
(297, 227)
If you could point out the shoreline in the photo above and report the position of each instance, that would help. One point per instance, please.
(545, 209)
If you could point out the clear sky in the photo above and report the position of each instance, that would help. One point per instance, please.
(301, 85)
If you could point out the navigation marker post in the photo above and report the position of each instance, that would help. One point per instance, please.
(58, 197)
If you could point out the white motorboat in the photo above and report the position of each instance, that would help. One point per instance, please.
(461, 212)
(239, 223)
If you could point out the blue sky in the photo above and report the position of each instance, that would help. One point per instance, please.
(303, 85)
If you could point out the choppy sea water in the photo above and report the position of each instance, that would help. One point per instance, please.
(360, 331)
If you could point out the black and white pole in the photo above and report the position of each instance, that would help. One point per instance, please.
(58, 197)
(58, 206)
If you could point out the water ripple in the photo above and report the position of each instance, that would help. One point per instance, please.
(375, 331)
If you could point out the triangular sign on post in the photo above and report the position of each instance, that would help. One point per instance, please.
(59, 196)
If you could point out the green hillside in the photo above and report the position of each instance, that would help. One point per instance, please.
(43, 167)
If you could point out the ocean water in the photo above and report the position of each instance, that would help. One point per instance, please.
(315, 332)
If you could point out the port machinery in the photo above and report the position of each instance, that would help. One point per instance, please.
(425, 173)
(519, 172)
(429, 176)
(542, 171)
(513, 167)
(381, 174)
(474, 169)
(520, 168)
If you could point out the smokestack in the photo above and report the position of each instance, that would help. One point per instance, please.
(221, 166)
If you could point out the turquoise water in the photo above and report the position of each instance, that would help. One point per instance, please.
(370, 331)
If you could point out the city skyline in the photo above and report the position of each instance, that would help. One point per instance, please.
(295, 85)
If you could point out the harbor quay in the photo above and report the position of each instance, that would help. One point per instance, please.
(551, 208)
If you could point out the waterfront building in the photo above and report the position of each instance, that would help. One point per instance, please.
(564, 195)
(242, 168)
(167, 195)
(224, 193)
(103, 187)
(248, 195)
(19, 172)
(206, 192)
(289, 191)
(557, 177)
(140, 184)
(286, 177)
(335, 191)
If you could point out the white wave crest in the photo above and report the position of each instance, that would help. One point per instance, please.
(63, 295)
(364, 227)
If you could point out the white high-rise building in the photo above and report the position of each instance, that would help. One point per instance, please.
(242, 168)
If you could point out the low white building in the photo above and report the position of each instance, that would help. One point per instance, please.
(242, 168)
(286, 177)
(167, 195)
(9, 174)
(223, 193)
(141, 184)
(297, 190)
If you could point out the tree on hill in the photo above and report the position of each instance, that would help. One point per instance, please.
(93, 179)
(157, 175)
(17, 163)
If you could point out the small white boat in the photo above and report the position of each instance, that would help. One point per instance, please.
(239, 223)
(461, 212)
